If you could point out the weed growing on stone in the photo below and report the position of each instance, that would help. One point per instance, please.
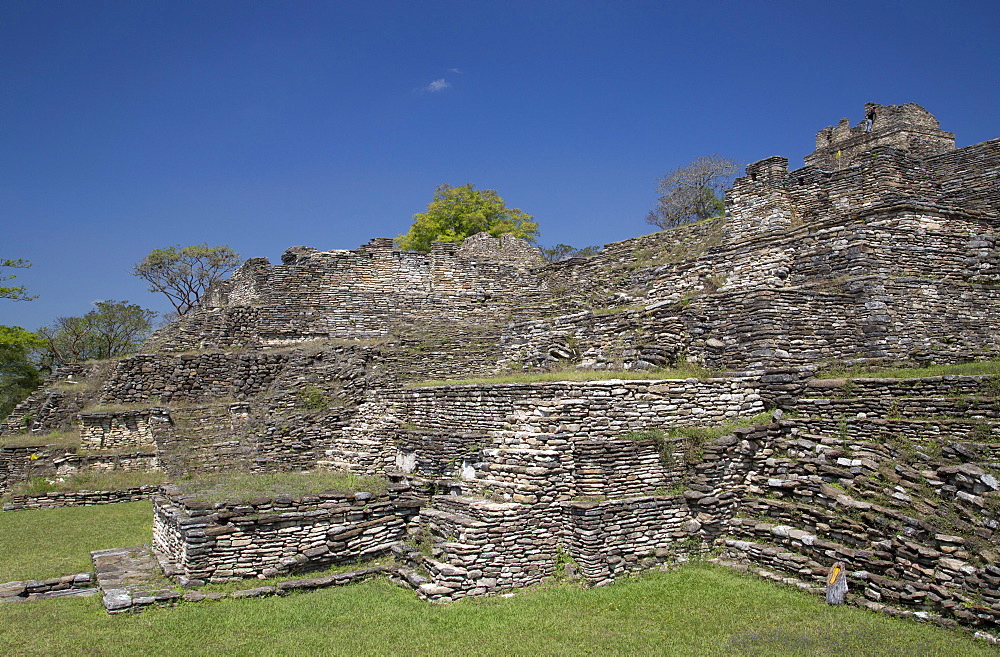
(985, 367)
(983, 432)
(314, 397)
(565, 566)
(687, 371)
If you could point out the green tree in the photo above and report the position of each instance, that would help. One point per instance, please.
(183, 273)
(17, 292)
(458, 212)
(111, 329)
(561, 252)
(18, 374)
(693, 192)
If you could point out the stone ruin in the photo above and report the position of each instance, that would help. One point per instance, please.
(881, 251)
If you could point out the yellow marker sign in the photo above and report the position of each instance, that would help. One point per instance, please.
(834, 574)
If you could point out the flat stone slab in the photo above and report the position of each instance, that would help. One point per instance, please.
(66, 593)
(253, 593)
(35, 589)
(131, 579)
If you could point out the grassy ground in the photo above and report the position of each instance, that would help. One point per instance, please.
(570, 374)
(697, 610)
(991, 367)
(695, 372)
(236, 486)
(43, 543)
(93, 480)
(67, 439)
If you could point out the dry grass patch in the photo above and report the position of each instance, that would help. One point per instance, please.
(57, 439)
(242, 486)
(568, 374)
(97, 480)
(983, 367)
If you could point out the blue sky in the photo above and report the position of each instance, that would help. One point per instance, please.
(132, 125)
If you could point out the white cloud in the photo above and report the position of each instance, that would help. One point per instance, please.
(438, 85)
(454, 70)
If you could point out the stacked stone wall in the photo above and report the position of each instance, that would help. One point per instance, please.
(52, 587)
(976, 434)
(217, 542)
(490, 547)
(611, 538)
(20, 464)
(148, 378)
(908, 504)
(907, 127)
(120, 430)
(357, 294)
(209, 327)
(438, 350)
(436, 454)
(622, 468)
(59, 499)
(969, 178)
(906, 319)
(44, 411)
(587, 409)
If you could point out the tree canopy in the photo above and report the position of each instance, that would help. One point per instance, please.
(183, 273)
(561, 252)
(17, 293)
(112, 328)
(458, 212)
(18, 374)
(692, 192)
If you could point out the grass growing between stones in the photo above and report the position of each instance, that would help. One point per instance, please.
(43, 543)
(242, 584)
(696, 610)
(688, 372)
(989, 367)
(92, 481)
(59, 439)
(242, 486)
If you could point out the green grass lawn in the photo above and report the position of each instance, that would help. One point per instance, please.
(696, 610)
(982, 367)
(43, 543)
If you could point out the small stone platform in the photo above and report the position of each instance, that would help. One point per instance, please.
(130, 579)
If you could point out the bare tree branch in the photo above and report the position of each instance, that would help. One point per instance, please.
(692, 192)
(182, 274)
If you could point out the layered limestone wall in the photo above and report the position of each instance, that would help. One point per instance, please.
(218, 542)
(906, 127)
(120, 430)
(365, 293)
(577, 409)
(612, 538)
(22, 463)
(59, 499)
(882, 249)
(911, 511)
(150, 378)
